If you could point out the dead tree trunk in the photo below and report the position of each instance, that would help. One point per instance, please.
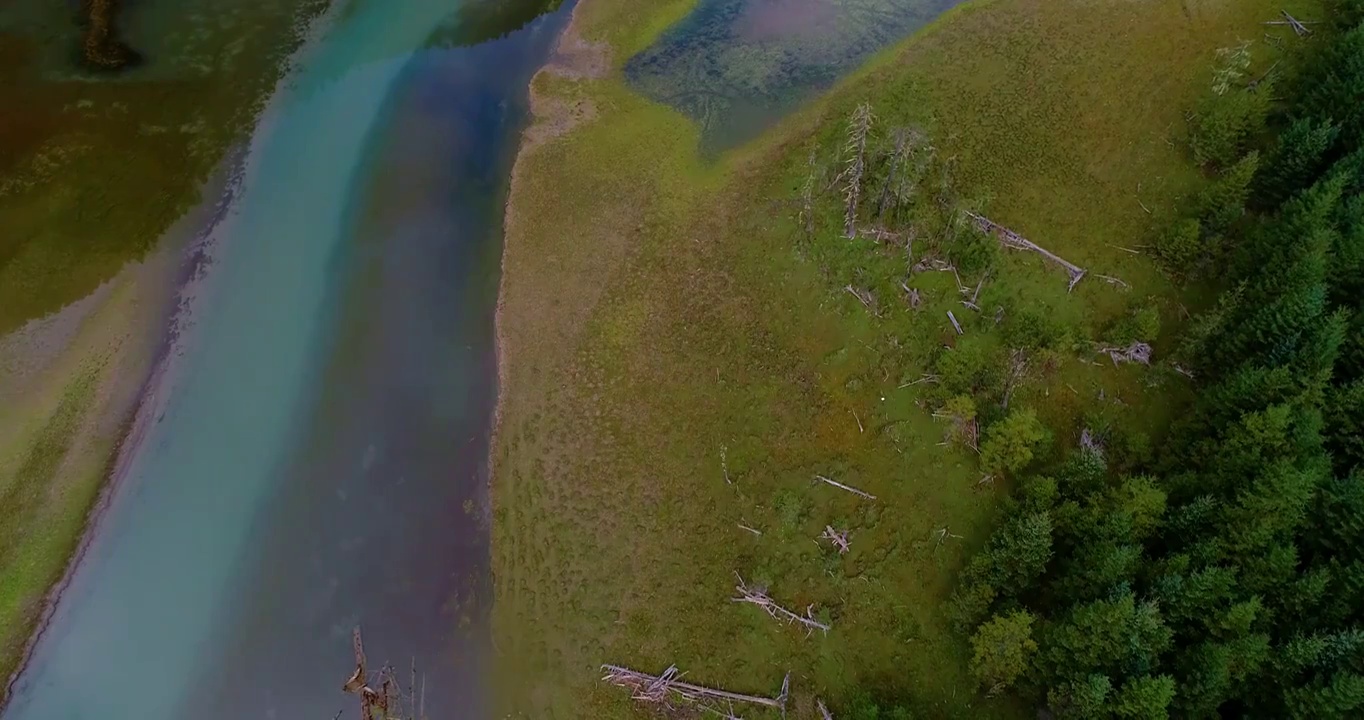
(665, 688)
(758, 596)
(823, 711)
(858, 128)
(841, 486)
(1010, 239)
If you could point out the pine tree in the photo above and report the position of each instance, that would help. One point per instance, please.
(1335, 86)
(1299, 155)
(1117, 637)
(1224, 201)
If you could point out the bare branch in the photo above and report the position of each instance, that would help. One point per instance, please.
(841, 486)
(752, 530)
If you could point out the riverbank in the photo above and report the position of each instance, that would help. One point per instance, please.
(675, 365)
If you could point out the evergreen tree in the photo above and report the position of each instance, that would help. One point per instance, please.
(1224, 201)
(1299, 155)
(1118, 637)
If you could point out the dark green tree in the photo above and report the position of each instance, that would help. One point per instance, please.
(1299, 154)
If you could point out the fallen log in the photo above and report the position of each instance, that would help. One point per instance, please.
(758, 596)
(662, 688)
(1010, 239)
(841, 486)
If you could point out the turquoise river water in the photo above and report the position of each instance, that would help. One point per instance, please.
(317, 456)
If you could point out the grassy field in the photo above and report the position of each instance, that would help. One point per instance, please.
(679, 360)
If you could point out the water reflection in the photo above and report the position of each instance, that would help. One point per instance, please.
(737, 65)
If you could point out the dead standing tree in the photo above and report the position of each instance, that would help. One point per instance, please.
(859, 126)
(668, 688)
(387, 702)
(758, 596)
(1010, 239)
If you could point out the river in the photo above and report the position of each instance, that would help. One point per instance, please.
(316, 457)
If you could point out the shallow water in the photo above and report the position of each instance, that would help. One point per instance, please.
(318, 460)
(737, 66)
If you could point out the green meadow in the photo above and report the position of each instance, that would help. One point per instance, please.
(689, 343)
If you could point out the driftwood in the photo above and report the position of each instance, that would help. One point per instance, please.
(666, 688)
(839, 539)
(1137, 352)
(1010, 239)
(758, 596)
(841, 486)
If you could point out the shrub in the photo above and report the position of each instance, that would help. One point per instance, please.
(1010, 443)
(1181, 246)
(1000, 650)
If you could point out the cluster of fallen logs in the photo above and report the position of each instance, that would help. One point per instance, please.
(668, 688)
(668, 691)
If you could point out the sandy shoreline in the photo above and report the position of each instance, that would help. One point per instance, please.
(575, 58)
